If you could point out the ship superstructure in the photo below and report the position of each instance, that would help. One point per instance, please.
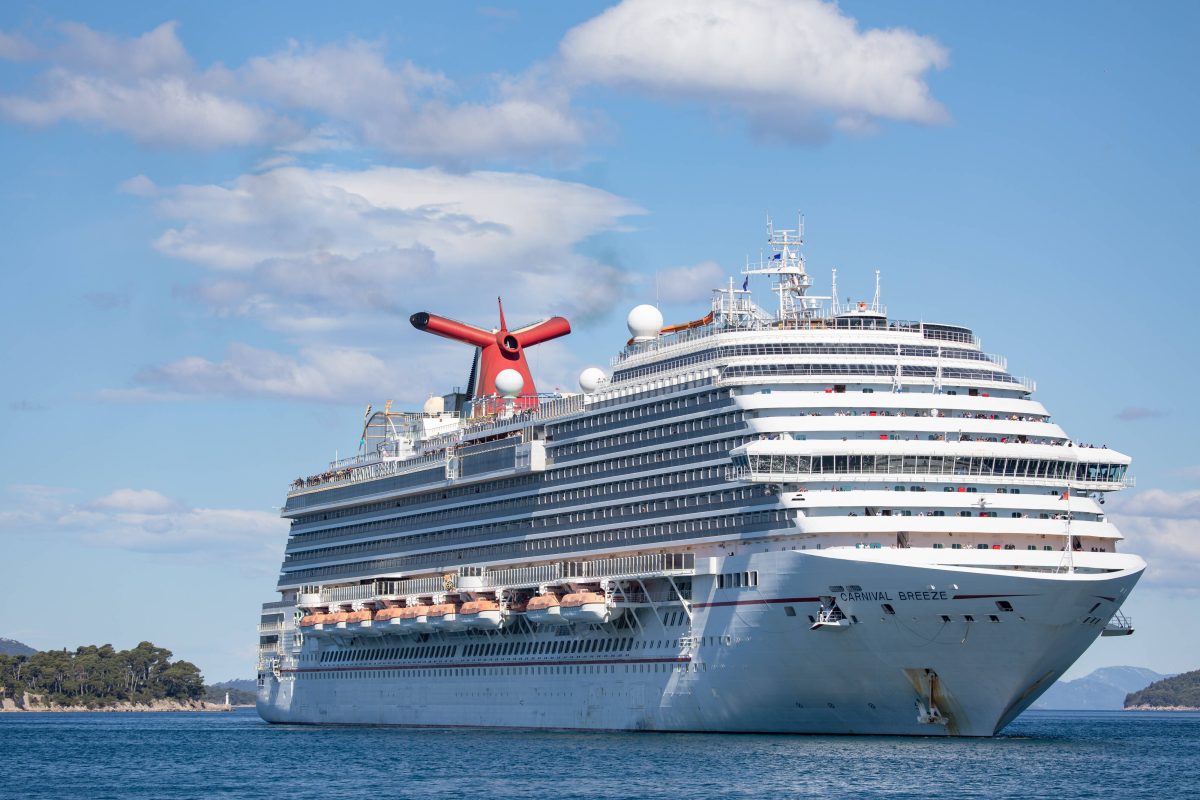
(813, 518)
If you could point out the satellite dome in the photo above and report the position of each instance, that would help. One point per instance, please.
(645, 322)
(509, 383)
(434, 405)
(590, 378)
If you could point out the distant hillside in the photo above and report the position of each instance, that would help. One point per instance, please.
(241, 684)
(11, 647)
(1104, 689)
(1178, 691)
(242, 692)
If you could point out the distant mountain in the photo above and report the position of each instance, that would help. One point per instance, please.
(1104, 689)
(1179, 691)
(11, 647)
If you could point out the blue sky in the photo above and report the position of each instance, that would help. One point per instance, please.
(218, 218)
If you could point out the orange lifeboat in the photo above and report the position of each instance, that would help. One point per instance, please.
(444, 617)
(314, 625)
(413, 619)
(588, 607)
(544, 609)
(480, 615)
(362, 622)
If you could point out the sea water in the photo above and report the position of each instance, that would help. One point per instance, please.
(1061, 755)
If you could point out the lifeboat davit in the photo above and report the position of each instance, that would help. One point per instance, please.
(444, 617)
(588, 607)
(544, 609)
(361, 623)
(480, 615)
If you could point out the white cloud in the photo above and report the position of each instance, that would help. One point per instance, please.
(1161, 503)
(16, 48)
(689, 284)
(1164, 528)
(295, 244)
(318, 374)
(143, 501)
(786, 64)
(139, 185)
(301, 99)
(324, 374)
(146, 521)
(155, 52)
(165, 110)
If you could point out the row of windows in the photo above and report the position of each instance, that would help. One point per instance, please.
(647, 435)
(388, 653)
(938, 512)
(518, 505)
(469, 672)
(737, 580)
(733, 523)
(677, 504)
(658, 458)
(796, 348)
(675, 407)
(506, 486)
(1050, 469)
(876, 370)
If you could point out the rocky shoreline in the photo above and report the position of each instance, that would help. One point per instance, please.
(1161, 708)
(34, 704)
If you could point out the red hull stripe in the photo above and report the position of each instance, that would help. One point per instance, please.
(464, 664)
(986, 596)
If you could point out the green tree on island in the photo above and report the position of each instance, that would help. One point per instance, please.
(100, 676)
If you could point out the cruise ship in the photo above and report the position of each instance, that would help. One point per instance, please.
(807, 518)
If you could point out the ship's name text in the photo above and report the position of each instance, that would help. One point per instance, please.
(916, 595)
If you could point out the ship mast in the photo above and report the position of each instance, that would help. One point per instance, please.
(786, 266)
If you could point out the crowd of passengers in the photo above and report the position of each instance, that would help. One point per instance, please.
(324, 477)
(963, 437)
(932, 413)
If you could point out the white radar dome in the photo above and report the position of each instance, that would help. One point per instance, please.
(645, 322)
(434, 405)
(509, 383)
(590, 378)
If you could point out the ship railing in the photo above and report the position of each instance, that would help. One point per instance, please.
(346, 594)
(633, 596)
(821, 323)
(738, 473)
(630, 566)
(410, 586)
(832, 614)
(269, 628)
(523, 576)
(1119, 625)
(648, 565)
(366, 471)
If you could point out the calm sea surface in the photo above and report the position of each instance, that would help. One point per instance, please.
(1061, 755)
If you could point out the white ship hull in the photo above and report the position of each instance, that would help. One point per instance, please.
(751, 660)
